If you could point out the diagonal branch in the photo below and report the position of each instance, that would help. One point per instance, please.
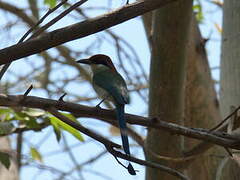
(41, 20)
(56, 19)
(110, 145)
(79, 30)
(42, 29)
(147, 163)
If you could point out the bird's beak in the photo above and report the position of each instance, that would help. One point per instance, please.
(84, 61)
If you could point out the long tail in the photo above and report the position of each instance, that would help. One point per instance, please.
(123, 131)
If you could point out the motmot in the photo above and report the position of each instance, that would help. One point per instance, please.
(110, 85)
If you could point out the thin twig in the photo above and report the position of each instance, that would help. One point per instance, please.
(71, 154)
(225, 119)
(28, 90)
(62, 96)
(79, 30)
(146, 163)
(78, 167)
(56, 19)
(51, 10)
(6, 66)
(203, 146)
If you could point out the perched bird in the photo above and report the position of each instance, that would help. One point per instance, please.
(110, 85)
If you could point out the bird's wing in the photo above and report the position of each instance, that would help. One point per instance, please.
(114, 84)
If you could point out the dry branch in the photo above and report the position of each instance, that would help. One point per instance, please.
(219, 138)
(78, 30)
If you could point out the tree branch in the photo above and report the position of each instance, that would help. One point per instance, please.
(218, 138)
(42, 29)
(110, 145)
(146, 163)
(78, 30)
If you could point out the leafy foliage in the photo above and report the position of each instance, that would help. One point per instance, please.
(26, 118)
(58, 125)
(197, 8)
(50, 3)
(32, 118)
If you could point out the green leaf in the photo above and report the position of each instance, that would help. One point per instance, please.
(21, 116)
(35, 154)
(56, 129)
(50, 3)
(70, 116)
(5, 159)
(6, 114)
(30, 121)
(5, 111)
(197, 8)
(6, 128)
(66, 127)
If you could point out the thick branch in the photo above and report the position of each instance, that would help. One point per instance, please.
(218, 138)
(78, 30)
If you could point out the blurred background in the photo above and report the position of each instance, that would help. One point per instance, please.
(54, 72)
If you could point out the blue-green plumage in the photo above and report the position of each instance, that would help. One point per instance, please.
(107, 82)
(123, 127)
(115, 86)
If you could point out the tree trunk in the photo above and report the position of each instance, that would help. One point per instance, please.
(201, 108)
(201, 105)
(230, 73)
(167, 73)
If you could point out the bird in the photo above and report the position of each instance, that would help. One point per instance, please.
(110, 85)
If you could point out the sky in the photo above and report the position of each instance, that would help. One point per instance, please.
(133, 32)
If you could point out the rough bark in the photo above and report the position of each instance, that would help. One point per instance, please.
(230, 73)
(201, 107)
(167, 72)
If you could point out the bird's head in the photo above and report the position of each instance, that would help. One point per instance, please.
(97, 61)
